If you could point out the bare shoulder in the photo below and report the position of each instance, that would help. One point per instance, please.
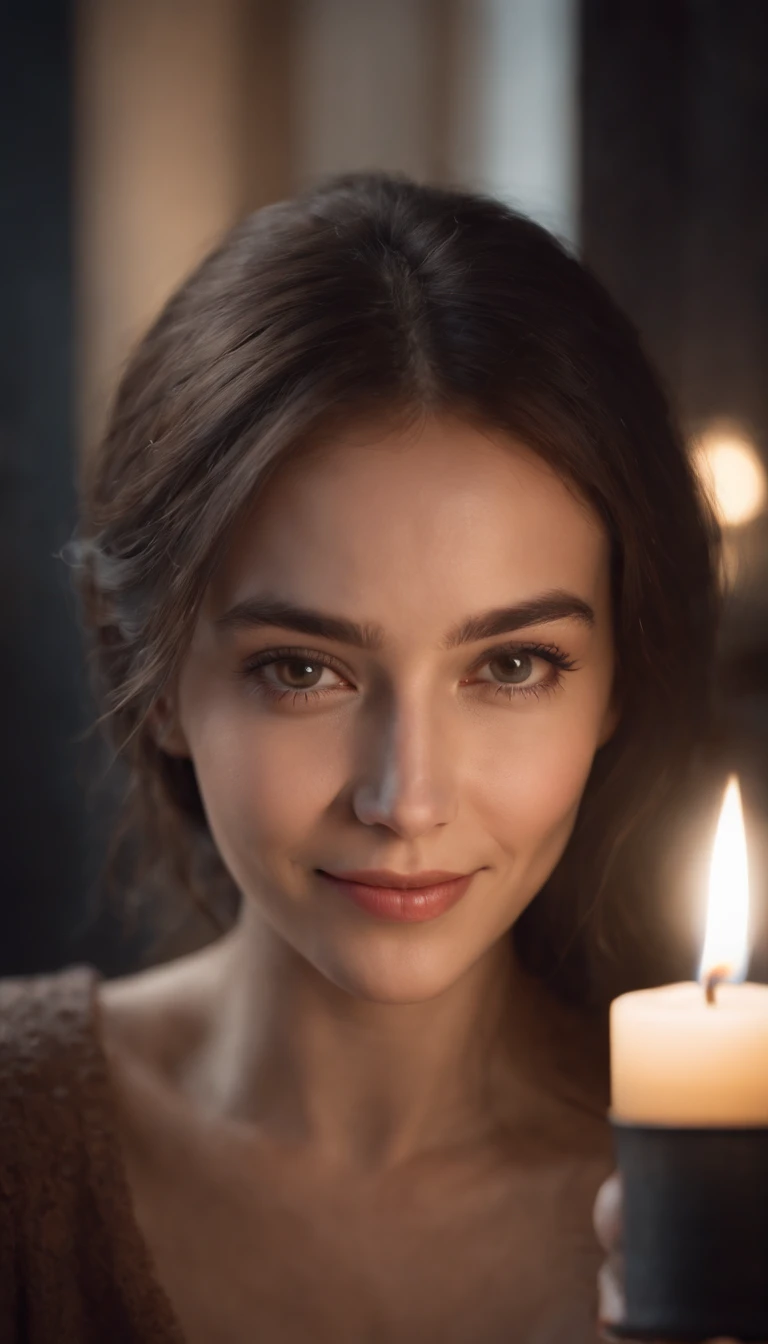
(150, 1018)
(149, 1025)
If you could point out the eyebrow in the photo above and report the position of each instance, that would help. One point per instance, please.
(269, 610)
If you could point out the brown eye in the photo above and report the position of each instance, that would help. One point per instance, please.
(298, 679)
(515, 667)
(299, 670)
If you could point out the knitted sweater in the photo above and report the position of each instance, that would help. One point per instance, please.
(74, 1267)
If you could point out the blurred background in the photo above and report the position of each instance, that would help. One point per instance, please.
(135, 131)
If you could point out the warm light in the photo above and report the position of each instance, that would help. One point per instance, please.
(732, 474)
(725, 942)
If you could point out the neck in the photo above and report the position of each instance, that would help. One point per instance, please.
(374, 1084)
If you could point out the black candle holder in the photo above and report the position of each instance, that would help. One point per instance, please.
(695, 1232)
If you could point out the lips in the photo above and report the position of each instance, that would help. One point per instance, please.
(385, 877)
(405, 905)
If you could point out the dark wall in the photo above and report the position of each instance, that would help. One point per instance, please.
(51, 838)
(675, 189)
(675, 221)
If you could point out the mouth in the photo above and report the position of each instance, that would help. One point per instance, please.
(386, 877)
(402, 904)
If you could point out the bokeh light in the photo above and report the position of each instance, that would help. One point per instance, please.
(732, 473)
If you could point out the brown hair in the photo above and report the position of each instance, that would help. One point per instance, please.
(367, 294)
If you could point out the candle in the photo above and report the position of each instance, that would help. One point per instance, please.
(696, 1054)
(689, 1068)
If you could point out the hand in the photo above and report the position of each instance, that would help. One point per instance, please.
(610, 1282)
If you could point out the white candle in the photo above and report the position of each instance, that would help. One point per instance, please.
(679, 1058)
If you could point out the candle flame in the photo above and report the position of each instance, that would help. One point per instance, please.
(726, 940)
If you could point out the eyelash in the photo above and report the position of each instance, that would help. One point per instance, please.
(253, 671)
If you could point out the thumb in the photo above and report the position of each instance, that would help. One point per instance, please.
(607, 1214)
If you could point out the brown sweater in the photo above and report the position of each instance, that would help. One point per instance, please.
(74, 1267)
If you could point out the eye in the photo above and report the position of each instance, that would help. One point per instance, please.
(521, 670)
(516, 668)
(516, 671)
(290, 672)
(298, 673)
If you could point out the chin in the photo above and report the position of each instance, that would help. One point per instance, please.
(390, 974)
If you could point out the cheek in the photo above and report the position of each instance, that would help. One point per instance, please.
(264, 783)
(532, 778)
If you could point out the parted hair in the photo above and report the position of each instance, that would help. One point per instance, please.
(372, 294)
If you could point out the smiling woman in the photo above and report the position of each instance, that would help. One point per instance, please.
(419, 738)
(403, 612)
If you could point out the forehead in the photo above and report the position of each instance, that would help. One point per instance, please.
(435, 516)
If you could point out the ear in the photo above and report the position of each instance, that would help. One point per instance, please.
(166, 729)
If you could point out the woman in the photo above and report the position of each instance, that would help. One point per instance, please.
(403, 612)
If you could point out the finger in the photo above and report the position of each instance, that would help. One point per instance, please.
(606, 1215)
(610, 1292)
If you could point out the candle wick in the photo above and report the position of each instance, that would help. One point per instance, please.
(712, 980)
(710, 988)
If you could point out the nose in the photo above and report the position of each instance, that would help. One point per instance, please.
(406, 781)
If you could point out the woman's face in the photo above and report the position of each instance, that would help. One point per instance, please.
(418, 752)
